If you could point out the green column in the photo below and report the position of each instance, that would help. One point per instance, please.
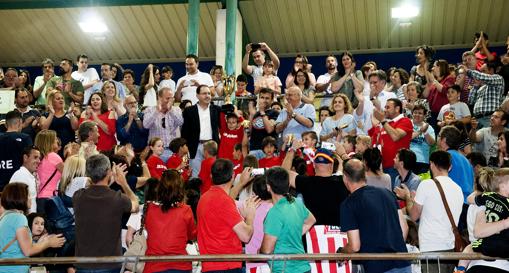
(193, 27)
(231, 28)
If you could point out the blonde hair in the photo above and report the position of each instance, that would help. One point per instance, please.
(51, 96)
(74, 166)
(346, 100)
(116, 97)
(490, 179)
(364, 139)
(44, 141)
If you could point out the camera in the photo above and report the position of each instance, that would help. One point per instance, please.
(255, 46)
(257, 171)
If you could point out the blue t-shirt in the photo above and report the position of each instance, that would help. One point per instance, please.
(284, 221)
(374, 212)
(294, 127)
(329, 124)
(419, 145)
(461, 173)
(12, 221)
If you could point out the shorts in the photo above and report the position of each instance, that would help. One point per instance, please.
(493, 246)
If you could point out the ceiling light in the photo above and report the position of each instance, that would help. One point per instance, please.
(403, 12)
(93, 26)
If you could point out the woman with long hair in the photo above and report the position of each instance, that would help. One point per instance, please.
(155, 164)
(399, 79)
(25, 82)
(503, 149)
(285, 223)
(169, 224)
(73, 178)
(16, 239)
(148, 86)
(301, 63)
(341, 123)
(97, 111)
(50, 168)
(349, 77)
(303, 81)
(438, 82)
(63, 122)
(115, 104)
(424, 57)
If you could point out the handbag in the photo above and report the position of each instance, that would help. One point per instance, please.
(138, 246)
(459, 242)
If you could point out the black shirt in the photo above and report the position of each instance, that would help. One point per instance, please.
(12, 145)
(258, 131)
(374, 212)
(323, 197)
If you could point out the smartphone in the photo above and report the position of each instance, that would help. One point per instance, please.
(329, 146)
(257, 171)
(255, 46)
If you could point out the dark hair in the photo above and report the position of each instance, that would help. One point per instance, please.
(441, 159)
(267, 91)
(69, 61)
(242, 78)
(130, 72)
(170, 191)
(341, 68)
(413, 233)
(176, 143)
(120, 72)
(192, 56)
(351, 139)
(199, 88)
(183, 103)
(31, 217)
(85, 129)
(144, 80)
(18, 90)
(232, 115)
(312, 134)
(260, 187)
(237, 147)
(462, 129)
(222, 171)
(478, 35)
(356, 173)
(408, 158)
(108, 64)
(268, 140)
(452, 136)
(166, 68)
(27, 84)
(397, 103)
(443, 66)
(324, 108)
(150, 191)
(193, 193)
(276, 103)
(104, 105)
(403, 75)
(250, 161)
(299, 165)
(420, 106)
(28, 150)
(506, 137)
(12, 117)
(456, 88)
(15, 196)
(306, 83)
(81, 56)
(278, 180)
(372, 159)
(477, 158)
(378, 73)
(428, 52)
(505, 116)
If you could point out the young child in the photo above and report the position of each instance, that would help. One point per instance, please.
(231, 134)
(412, 242)
(242, 86)
(269, 149)
(492, 225)
(362, 143)
(209, 153)
(455, 109)
(36, 222)
(155, 164)
(243, 192)
(238, 158)
(167, 73)
(179, 160)
(269, 79)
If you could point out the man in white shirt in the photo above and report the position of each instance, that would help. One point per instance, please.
(258, 50)
(87, 76)
(25, 174)
(377, 81)
(186, 86)
(435, 231)
(323, 83)
(48, 71)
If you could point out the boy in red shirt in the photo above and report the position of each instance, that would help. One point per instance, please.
(238, 158)
(232, 134)
(269, 149)
(209, 153)
(179, 160)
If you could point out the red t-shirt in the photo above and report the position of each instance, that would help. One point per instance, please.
(215, 230)
(237, 166)
(481, 58)
(156, 166)
(228, 140)
(169, 232)
(389, 147)
(268, 162)
(174, 161)
(105, 142)
(436, 98)
(204, 174)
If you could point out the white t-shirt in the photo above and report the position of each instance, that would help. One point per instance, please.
(458, 110)
(167, 83)
(435, 231)
(323, 79)
(257, 72)
(189, 90)
(363, 122)
(24, 176)
(86, 77)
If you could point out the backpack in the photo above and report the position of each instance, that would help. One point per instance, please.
(57, 214)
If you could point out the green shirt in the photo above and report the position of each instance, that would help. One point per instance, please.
(284, 221)
(59, 82)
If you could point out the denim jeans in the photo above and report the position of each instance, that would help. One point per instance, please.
(111, 270)
(407, 269)
(195, 163)
(257, 153)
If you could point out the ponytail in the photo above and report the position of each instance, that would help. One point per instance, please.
(487, 180)
(289, 197)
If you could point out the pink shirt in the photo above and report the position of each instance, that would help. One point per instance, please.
(44, 172)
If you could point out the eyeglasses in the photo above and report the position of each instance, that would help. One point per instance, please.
(163, 123)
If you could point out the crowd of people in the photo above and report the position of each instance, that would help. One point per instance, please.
(395, 160)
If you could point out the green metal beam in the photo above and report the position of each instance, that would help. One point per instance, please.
(193, 27)
(231, 29)
(52, 4)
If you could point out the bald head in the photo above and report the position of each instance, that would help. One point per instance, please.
(354, 171)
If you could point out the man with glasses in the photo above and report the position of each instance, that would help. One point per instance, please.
(163, 120)
(486, 139)
(130, 126)
(41, 81)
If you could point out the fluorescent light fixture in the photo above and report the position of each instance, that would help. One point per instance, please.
(404, 12)
(93, 26)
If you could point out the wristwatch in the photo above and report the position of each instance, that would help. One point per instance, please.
(294, 115)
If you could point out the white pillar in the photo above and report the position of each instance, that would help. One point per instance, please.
(221, 40)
